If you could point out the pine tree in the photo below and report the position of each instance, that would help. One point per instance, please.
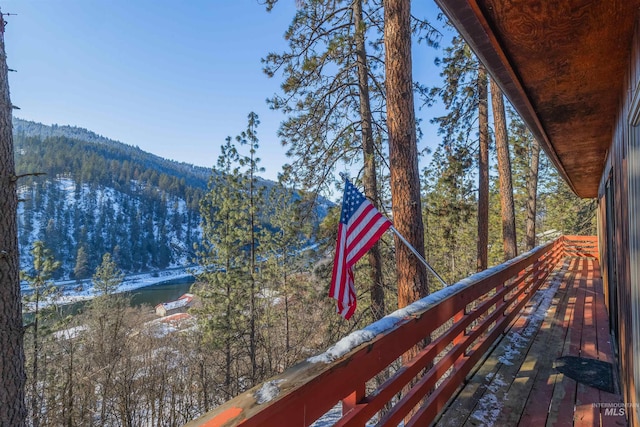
(449, 207)
(82, 269)
(369, 156)
(532, 196)
(327, 77)
(403, 152)
(560, 209)
(107, 277)
(525, 170)
(282, 245)
(483, 170)
(333, 94)
(465, 95)
(228, 256)
(510, 242)
(412, 278)
(44, 266)
(12, 404)
(105, 345)
(249, 137)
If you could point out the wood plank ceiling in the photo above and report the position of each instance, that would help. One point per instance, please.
(562, 64)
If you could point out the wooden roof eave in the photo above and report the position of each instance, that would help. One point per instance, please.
(467, 17)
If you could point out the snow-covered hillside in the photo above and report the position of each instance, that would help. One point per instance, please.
(98, 195)
(143, 228)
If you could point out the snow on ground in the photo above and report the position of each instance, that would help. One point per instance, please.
(70, 333)
(330, 418)
(489, 406)
(333, 416)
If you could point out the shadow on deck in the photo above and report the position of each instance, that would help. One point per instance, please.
(554, 367)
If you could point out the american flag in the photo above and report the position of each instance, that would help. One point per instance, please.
(360, 227)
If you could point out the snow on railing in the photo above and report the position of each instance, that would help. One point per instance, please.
(469, 315)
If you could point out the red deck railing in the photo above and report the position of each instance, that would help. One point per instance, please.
(462, 321)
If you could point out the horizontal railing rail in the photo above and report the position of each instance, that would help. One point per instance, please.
(584, 246)
(472, 314)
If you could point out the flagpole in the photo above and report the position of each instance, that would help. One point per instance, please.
(408, 245)
(417, 254)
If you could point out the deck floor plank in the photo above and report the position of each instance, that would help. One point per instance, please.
(557, 322)
(510, 356)
(586, 414)
(534, 367)
(530, 391)
(486, 377)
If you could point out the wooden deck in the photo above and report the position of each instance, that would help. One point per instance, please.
(520, 384)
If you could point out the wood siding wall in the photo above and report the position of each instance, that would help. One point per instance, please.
(619, 227)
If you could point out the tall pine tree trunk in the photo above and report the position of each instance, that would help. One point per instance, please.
(532, 195)
(13, 410)
(67, 409)
(35, 400)
(483, 169)
(287, 346)
(252, 276)
(368, 147)
(403, 158)
(403, 151)
(507, 206)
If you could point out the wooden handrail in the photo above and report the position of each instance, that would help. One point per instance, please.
(473, 313)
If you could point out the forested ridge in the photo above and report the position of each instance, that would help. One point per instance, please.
(98, 195)
(90, 142)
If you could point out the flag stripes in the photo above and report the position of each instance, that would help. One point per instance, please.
(360, 227)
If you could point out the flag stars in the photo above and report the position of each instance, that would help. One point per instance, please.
(351, 202)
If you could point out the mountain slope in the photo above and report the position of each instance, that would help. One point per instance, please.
(102, 196)
(99, 195)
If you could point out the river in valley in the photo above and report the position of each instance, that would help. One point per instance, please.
(151, 296)
(162, 292)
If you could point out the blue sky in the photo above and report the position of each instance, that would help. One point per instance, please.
(172, 77)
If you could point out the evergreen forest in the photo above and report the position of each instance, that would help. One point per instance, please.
(97, 196)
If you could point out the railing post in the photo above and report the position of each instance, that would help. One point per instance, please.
(535, 271)
(352, 400)
(456, 318)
